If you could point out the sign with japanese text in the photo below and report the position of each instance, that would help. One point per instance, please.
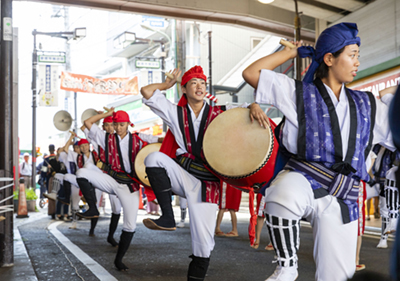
(106, 86)
(48, 85)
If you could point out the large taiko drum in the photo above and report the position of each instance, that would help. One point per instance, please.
(240, 152)
(140, 168)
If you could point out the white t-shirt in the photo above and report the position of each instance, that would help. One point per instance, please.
(25, 169)
(279, 90)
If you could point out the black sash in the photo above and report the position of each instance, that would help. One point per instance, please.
(196, 169)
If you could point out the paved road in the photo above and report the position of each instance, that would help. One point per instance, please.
(164, 255)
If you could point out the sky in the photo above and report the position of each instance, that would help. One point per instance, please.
(89, 53)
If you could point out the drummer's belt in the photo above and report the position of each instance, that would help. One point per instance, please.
(333, 183)
(121, 178)
(196, 169)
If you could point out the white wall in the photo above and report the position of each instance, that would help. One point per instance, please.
(229, 46)
(379, 30)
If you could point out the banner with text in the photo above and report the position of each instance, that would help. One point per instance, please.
(107, 86)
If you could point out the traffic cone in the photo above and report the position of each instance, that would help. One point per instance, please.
(140, 199)
(22, 206)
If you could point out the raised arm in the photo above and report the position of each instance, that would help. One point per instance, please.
(252, 73)
(90, 121)
(148, 91)
(69, 142)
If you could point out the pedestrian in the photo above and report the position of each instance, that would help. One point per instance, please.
(260, 223)
(229, 202)
(183, 205)
(329, 131)
(42, 178)
(25, 170)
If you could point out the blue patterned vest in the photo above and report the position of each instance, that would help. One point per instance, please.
(319, 136)
(386, 162)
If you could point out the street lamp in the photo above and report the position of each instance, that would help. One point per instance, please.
(124, 40)
(76, 35)
(158, 31)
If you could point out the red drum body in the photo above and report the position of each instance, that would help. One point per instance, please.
(241, 153)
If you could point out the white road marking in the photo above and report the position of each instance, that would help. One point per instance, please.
(91, 264)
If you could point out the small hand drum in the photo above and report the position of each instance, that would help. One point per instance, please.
(140, 168)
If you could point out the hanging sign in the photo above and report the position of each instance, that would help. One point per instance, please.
(107, 86)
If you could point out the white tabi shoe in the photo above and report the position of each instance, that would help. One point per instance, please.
(382, 244)
(180, 224)
(391, 226)
(51, 196)
(73, 225)
(284, 274)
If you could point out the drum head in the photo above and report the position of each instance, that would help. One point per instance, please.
(140, 168)
(234, 147)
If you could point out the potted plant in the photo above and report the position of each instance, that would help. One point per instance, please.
(30, 200)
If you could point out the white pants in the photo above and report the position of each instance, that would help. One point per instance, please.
(99, 193)
(115, 204)
(104, 182)
(59, 181)
(291, 197)
(183, 203)
(372, 191)
(202, 215)
(75, 197)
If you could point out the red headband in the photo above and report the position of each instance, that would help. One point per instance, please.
(82, 141)
(121, 116)
(108, 119)
(194, 72)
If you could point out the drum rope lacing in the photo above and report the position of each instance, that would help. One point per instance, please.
(6, 208)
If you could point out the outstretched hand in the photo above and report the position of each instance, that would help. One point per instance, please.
(172, 77)
(73, 135)
(109, 112)
(258, 114)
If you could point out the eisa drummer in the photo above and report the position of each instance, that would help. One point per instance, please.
(120, 179)
(329, 131)
(187, 176)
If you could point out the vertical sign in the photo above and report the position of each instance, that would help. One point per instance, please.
(48, 85)
(8, 30)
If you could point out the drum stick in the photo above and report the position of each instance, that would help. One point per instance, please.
(287, 44)
(75, 134)
(170, 76)
(106, 108)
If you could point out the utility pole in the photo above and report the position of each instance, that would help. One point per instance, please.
(6, 140)
(210, 66)
(297, 26)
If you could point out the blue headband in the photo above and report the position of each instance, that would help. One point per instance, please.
(76, 143)
(331, 40)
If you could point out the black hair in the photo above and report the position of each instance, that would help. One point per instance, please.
(323, 70)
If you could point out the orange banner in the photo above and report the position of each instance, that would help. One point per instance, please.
(107, 86)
